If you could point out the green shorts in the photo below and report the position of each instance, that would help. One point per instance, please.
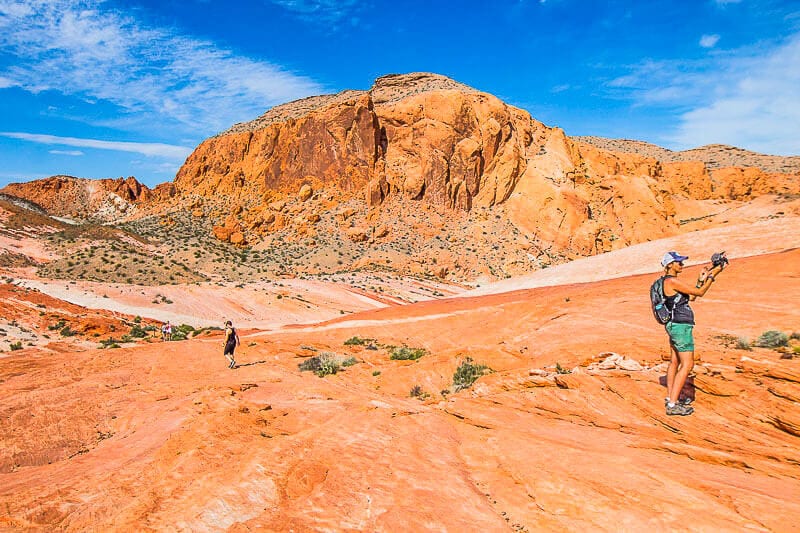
(680, 336)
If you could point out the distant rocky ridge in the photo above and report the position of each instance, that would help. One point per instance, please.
(102, 200)
(713, 155)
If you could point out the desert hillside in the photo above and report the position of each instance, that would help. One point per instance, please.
(713, 155)
(418, 176)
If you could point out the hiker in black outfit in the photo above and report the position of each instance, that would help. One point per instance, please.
(679, 328)
(231, 342)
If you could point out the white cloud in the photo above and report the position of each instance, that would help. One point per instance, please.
(748, 98)
(66, 152)
(709, 41)
(5, 83)
(84, 49)
(149, 149)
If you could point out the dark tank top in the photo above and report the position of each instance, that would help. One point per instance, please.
(678, 303)
(231, 340)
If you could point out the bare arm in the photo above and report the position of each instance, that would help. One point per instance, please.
(673, 285)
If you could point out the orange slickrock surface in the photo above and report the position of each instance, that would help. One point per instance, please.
(163, 436)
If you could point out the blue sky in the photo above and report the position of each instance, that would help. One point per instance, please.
(96, 88)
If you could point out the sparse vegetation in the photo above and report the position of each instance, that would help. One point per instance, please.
(110, 342)
(16, 346)
(772, 339)
(357, 341)
(419, 393)
(404, 353)
(561, 370)
(323, 364)
(138, 332)
(467, 373)
(66, 332)
(743, 344)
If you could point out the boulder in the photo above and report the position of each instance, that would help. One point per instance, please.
(306, 191)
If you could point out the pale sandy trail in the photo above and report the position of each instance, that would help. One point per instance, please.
(261, 306)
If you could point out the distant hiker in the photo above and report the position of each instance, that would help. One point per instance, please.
(231, 342)
(680, 324)
(166, 332)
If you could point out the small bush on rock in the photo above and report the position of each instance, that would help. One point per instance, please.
(743, 344)
(467, 373)
(772, 339)
(357, 341)
(322, 364)
(138, 332)
(405, 353)
(418, 392)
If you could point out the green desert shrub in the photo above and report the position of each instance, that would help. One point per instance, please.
(772, 339)
(404, 353)
(467, 373)
(110, 342)
(16, 346)
(561, 370)
(66, 332)
(323, 364)
(350, 361)
(357, 341)
(743, 344)
(138, 331)
(418, 392)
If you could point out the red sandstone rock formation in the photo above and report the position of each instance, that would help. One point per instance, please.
(104, 199)
(426, 137)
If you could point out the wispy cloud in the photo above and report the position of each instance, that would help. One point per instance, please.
(83, 48)
(65, 152)
(149, 149)
(748, 98)
(322, 11)
(709, 41)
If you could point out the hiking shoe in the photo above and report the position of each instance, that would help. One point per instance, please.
(680, 410)
(682, 401)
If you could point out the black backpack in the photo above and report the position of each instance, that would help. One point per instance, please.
(658, 302)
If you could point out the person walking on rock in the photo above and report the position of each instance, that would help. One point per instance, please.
(681, 324)
(231, 342)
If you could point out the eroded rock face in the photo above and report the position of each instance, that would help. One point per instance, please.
(428, 138)
(102, 200)
(420, 135)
